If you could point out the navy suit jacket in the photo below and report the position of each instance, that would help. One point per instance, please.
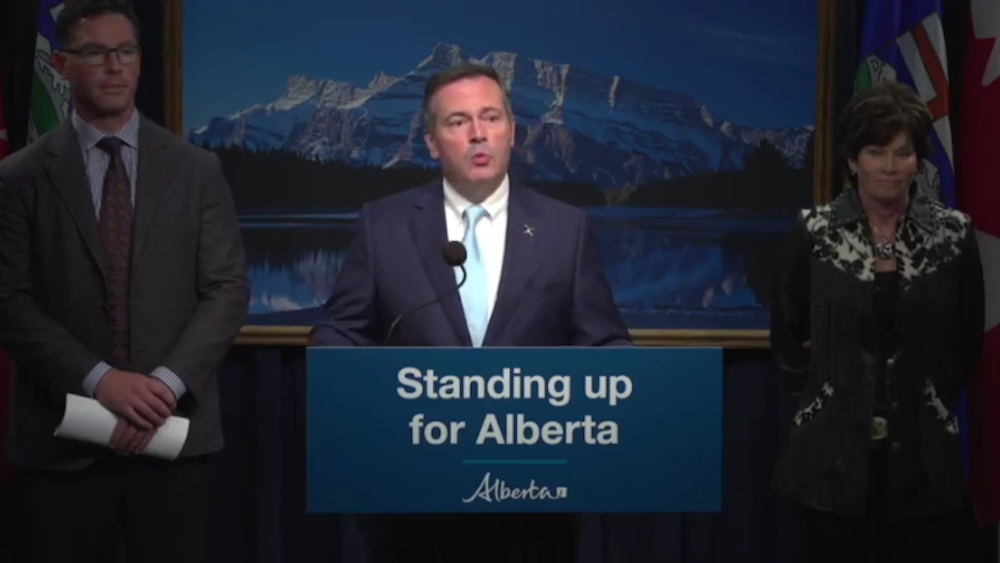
(552, 290)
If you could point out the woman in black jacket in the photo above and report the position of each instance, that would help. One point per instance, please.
(877, 322)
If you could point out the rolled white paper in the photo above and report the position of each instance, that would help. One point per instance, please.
(89, 421)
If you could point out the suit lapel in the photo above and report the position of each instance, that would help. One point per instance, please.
(68, 174)
(518, 262)
(152, 182)
(430, 234)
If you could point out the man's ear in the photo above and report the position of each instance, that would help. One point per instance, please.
(432, 145)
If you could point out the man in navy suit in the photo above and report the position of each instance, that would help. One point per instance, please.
(534, 278)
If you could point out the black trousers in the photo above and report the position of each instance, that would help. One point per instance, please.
(462, 538)
(875, 537)
(147, 510)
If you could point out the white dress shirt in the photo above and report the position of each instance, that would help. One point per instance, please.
(491, 232)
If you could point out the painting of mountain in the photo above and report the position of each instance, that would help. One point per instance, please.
(688, 201)
(574, 125)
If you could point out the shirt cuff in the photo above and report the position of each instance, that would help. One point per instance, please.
(170, 379)
(94, 377)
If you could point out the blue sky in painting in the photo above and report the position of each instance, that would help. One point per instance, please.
(752, 63)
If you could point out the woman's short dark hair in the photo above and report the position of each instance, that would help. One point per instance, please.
(879, 113)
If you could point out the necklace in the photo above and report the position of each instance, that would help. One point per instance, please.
(884, 250)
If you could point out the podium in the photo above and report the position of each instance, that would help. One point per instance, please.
(452, 430)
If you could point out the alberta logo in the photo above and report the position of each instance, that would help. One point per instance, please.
(497, 490)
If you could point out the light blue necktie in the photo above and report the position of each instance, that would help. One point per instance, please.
(474, 292)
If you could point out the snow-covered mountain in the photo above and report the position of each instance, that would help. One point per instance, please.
(572, 124)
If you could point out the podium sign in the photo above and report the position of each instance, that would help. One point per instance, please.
(514, 430)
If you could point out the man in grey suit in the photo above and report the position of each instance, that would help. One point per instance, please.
(122, 278)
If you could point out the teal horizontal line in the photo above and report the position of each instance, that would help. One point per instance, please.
(514, 462)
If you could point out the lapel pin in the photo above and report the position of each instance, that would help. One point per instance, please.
(529, 230)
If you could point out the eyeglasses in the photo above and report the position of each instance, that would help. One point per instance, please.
(97, 56)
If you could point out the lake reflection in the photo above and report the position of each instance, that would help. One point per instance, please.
(668, 268)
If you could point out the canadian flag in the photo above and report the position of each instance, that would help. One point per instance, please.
(979, 195)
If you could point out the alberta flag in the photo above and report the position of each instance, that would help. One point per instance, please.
(49, 91)
(903, 41)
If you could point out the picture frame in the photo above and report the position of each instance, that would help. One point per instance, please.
(823, 178)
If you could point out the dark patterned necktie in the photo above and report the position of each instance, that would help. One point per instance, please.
(116, 241)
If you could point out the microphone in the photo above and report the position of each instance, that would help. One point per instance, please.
(454, 254)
